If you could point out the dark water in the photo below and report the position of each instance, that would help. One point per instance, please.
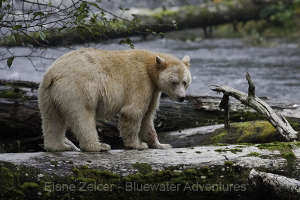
(274, 70)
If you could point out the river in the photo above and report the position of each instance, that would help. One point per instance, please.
(275, 70)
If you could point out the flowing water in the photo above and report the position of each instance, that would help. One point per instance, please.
(275, 70)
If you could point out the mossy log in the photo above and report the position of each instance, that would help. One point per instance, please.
(20, 123)
(207, 172)
(147, 21)
(240, 132)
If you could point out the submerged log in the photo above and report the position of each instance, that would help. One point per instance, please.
(20, 124)
(207, 172)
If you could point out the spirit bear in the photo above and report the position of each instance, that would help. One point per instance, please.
(89, 82)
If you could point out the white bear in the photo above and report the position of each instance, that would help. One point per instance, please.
(89, 83)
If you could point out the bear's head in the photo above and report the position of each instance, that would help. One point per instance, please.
(174, 76)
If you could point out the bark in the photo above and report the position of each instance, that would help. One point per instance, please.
(275, 185)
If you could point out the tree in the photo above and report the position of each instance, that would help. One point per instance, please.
(30, 22)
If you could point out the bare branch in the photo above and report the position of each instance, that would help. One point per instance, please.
(278, 121)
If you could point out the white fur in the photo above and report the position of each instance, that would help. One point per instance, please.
(87, 83)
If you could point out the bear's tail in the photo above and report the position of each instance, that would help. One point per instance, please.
(44, 96)
(47, 81)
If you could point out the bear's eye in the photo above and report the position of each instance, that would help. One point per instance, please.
(174, 83)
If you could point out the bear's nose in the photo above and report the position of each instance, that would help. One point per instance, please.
(181, 99)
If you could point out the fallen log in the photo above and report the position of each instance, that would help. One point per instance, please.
(275, 185)
(190, 173)
(277, 120)
(147, 21)
(20, 124)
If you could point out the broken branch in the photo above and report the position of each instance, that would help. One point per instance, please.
(278, 121)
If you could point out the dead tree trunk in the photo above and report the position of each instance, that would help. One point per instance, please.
(20, 123)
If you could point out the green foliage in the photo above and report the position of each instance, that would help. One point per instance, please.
(285, 15)
(127, 41)
(10, 61)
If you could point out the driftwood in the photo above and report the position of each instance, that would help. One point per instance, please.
(277, 120)
(275, 185)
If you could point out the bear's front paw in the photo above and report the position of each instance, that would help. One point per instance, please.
(162, 146)
(139, 146)
(96, 147)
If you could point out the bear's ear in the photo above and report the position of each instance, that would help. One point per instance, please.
(186, 60)
(161, 62)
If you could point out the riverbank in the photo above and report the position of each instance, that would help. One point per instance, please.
(228, 18)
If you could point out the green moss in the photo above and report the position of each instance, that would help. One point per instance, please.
(228, 163)
(164, 13)
(23, 183)
(289, 155)
(280, 146)
(143, 168)
(84, 167)
(29, 186)
(285, 149)
(86, 180)
(219, 137)
(254, 154)
(220, 144)
(12, 94)
(246, 132)
(6, 179)
(260, 129)
(190, 172)
(294, 124)
(91, 31)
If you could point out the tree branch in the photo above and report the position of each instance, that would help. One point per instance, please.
(278, 121)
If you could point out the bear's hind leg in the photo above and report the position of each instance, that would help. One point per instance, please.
(83, 125)
(54, 129)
